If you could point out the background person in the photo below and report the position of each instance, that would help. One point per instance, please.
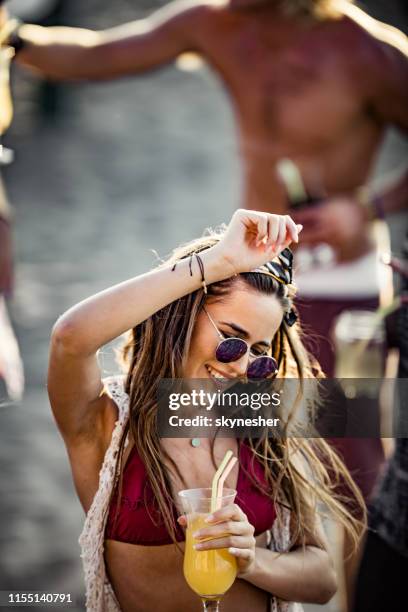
(11, 368)
(385, 556)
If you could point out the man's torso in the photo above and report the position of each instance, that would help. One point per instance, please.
(297, 91)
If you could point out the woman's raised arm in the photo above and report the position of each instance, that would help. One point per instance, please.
(74, 381)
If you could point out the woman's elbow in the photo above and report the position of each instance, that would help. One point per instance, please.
(327, 587)
(66, 337)
(324, 586)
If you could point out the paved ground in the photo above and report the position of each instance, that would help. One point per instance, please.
(133, 166)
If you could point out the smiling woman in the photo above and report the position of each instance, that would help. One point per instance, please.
(220, 307)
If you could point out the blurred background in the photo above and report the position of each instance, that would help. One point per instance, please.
(104, 174)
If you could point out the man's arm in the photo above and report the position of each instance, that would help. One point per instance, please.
(383, 61)
(75, 53)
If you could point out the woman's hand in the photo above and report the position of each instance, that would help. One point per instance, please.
(253, 238)
(228, 528)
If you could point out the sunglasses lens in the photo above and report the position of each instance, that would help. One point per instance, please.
(262, 367)
(231, 349)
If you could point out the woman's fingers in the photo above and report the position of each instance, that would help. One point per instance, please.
(182, 520)
(292, 229)
(228, 527)
(266, 227)
(254, 223)
(229, 541)
(289, 238)
(262, 230)
(273, 230)
(230, 512)
(242, 553)
(282, 230)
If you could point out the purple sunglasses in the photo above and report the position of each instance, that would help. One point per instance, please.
(232, 349)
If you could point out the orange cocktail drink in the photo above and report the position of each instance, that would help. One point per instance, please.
(210, 573)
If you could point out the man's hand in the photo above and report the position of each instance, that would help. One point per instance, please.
(3, 15)
(4, 24)
(340, 222)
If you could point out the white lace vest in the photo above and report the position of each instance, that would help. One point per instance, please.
(99, 592)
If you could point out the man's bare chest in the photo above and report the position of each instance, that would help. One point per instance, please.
(291, 88)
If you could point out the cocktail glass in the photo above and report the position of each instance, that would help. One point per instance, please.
(209, 573)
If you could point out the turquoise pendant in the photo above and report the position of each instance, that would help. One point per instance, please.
(195, 442)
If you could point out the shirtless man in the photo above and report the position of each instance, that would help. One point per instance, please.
(307, 81)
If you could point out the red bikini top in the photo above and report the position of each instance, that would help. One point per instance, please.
(138, 520)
